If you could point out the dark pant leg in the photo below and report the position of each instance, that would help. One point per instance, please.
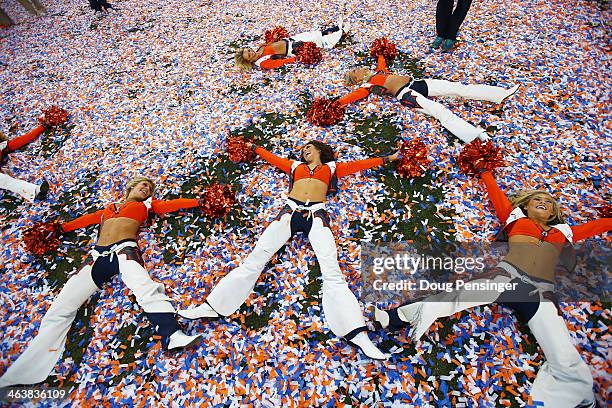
(104, 269)
(444, 11)
(457, 18)
(330, 30)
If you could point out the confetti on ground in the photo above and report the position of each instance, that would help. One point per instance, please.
(151, 90)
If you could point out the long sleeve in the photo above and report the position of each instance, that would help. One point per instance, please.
(83, 221)
(591, 228)
(344, 169)
(381, 64)
(279, 162)
(276, 63)
(354, 96)
(21, 141)
(166, 206)
(500, 202)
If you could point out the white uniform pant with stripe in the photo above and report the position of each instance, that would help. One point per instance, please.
(42, 353)
(563, 381)
(453, 123)
(340, 305)
(20, 187)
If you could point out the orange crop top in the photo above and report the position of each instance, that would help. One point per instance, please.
(382, 72)
(271, 60)
(20, 141)
(525, 226)
(136, 210)
(322, 172)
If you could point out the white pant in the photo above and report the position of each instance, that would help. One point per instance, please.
(564, 380)
(457, 126)
(340, 306)
(37, 361)
(327, 41)
(20, 187)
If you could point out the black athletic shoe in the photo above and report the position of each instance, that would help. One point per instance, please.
(44, 189)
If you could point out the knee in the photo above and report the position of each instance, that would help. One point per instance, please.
(333, 278)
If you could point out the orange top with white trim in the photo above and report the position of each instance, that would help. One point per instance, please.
(321, 172)
(135, 210)
(382, 72)
(271, 60)
(525, 226)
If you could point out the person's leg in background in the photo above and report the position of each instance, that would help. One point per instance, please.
(454, 22)
(444, 11)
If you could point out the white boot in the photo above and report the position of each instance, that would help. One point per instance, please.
(22, 188)
(204, 310)
(368, 348)
(564, 380)
(179, 340)
(457, 126)
(381, 317)
(495, 94)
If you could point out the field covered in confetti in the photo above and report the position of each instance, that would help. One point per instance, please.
(151, 90)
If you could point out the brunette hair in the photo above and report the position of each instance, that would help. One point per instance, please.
(325, 151)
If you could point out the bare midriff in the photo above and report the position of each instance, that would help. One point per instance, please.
(117, 229)
(309, 189)
(393, 83)
(534, 257)
(279, 47)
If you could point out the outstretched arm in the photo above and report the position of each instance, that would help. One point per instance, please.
(82, 222)
(354, 96)
(167, 206)
(21, 141)
(500, 202)
(346, 168)
(381, 64)
(278, 162)
(591, 228)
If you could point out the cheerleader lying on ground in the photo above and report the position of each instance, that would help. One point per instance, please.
(414, 94)
(278, 53)
(311, 180)
(115, 253)
(28, 191)
(537, 233)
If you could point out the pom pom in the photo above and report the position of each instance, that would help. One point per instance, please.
(42, 237)
(217, 200)
(325, 112)
(476, 157)
(275, 34)
(238, 151)
(54, 116)
(414, 160)
(605, 211)
(309, 54)
(384, 47)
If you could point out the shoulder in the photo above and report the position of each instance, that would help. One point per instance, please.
(331, 165)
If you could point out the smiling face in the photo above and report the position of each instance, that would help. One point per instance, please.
(540, 207)
(249, 55)
(311, 154)
(356, 76)
(141, 191)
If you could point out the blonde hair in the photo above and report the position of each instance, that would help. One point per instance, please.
(349, 81)
(242, 63)
(133, 182)
(521, 199)
(3, 137)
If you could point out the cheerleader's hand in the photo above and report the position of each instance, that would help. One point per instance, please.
(394, 157)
